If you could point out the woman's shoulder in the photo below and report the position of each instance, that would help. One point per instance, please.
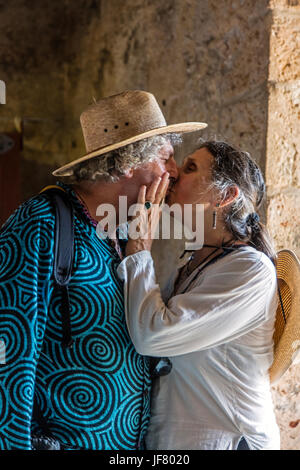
(246, 259)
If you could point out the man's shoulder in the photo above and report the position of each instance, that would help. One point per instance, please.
(35, 210)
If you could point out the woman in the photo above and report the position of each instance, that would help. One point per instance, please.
(217, 325)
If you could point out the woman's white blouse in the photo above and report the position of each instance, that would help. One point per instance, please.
(218, 335)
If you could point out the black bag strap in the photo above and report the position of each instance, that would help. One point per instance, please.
(63, 253)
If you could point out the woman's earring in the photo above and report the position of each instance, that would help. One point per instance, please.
(214, 224)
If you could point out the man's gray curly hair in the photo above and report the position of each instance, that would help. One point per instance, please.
(110, 166)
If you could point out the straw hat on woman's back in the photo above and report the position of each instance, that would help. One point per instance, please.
(287, 325)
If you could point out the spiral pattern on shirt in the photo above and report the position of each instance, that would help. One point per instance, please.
(88, 391)
(127, 423)
(134, 373)
(11, 257)
(14, 332)
(20, 383)
(100, 351)
(83, 399)
(37, 241)
(4, 406)
(37, 206)
(71, 437)
(90, 268)
(87, 310)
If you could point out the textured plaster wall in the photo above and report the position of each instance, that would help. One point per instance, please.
(207, 60)
(283, 178)
(32, 64)
(204, 60)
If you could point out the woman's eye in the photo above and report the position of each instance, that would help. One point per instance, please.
(190, 167)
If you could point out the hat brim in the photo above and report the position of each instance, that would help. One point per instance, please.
(286, 335)
(181, 128)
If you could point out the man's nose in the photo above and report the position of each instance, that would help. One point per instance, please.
(171, 167)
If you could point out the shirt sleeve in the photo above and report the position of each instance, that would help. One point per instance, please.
(230, 300)
(26, 258)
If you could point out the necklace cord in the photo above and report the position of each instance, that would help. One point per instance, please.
(226, 250)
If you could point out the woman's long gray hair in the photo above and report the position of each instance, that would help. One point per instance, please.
(233, 167)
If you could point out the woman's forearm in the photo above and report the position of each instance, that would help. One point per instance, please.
(219, 310)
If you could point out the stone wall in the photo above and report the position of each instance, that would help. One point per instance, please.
(283, 178)
(204, 60)
(32, 64)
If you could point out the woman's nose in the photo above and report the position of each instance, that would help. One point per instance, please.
(171, 168)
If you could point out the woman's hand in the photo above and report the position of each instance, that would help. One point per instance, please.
(142, 228)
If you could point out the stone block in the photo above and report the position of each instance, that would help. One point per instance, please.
(291, 5)
(286, 398)
(228, 60)
(284, 220)
(243, 123)
(285, 48)
(283, 144)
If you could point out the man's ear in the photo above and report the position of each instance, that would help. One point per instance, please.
(231, 194)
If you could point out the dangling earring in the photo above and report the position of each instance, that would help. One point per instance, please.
(214, 224)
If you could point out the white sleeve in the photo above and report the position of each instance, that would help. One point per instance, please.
(229, 302)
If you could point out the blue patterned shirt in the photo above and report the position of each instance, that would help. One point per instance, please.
(94, 395)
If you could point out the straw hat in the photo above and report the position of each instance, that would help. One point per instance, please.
(122, 119)
(287, 325)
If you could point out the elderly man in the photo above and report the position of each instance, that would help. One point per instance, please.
(92, 393)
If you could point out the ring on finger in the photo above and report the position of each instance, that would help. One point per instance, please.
(148, 205)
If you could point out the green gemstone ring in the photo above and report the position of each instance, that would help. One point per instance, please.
(148, 204)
